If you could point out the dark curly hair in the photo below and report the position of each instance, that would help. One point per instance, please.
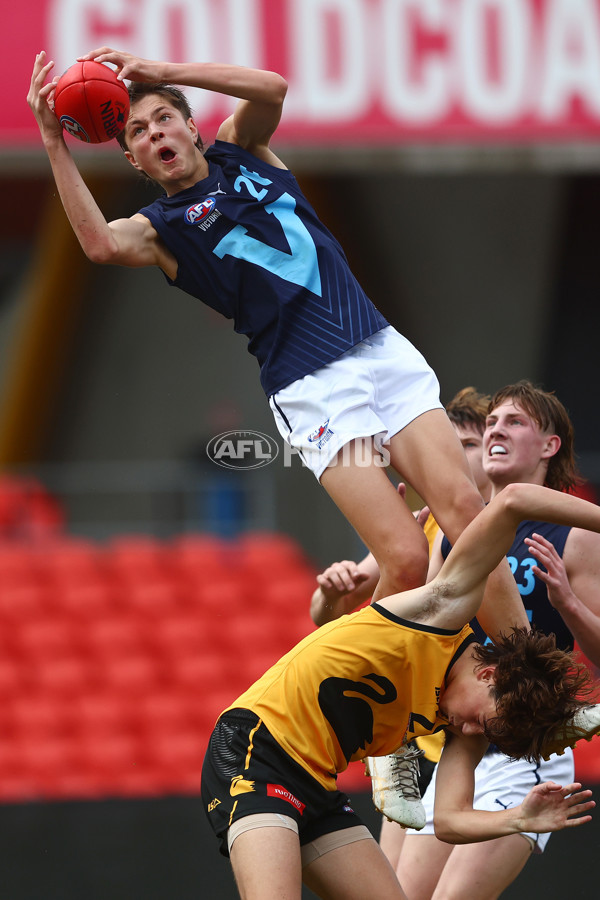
(170, 93)
(536, 688)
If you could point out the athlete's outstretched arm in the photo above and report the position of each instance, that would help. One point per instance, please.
(548, 807)
(261, 93)
(488, 538)
(130, 242)
(453, 597)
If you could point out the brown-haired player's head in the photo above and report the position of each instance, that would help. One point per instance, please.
(551, 417)
(170, 93)
(468, 408)
(536, 687)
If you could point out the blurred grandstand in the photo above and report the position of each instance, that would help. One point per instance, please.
(117, 657)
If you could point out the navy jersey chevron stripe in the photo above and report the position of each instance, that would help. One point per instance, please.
(534, 592)
(249, 245)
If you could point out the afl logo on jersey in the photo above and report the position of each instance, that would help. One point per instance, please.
(200, 211)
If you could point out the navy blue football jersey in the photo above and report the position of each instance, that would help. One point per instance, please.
(249, 245)
(533, 591)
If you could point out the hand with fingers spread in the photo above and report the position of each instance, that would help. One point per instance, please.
(41, 99)
(555, 574)
(127, 65)
(550, 807)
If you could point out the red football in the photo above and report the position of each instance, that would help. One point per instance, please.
(90, 103)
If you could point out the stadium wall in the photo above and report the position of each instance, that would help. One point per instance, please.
(159, 849)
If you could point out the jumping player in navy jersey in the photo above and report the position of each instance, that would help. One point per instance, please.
(347, 391)
(528, 439)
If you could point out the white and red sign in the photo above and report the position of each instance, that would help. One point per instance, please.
(360, 71)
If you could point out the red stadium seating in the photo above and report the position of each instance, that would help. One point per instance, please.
(181, 633)
(103, 711)
(12, 677)
(67, 675)
(42, 637)
(118, 634)
(68, 559)
(278, 548)
(107, 755)
(22, 601)
(136, 558)
(200, 673)
(223, 595)
(153, 597)
(18, 562)
(134, 674)
(166, 709)
(87, 596)
(201, 552)
(116, 659)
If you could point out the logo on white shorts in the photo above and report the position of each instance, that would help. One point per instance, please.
(321, 435)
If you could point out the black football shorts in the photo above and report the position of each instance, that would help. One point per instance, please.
(245, 771)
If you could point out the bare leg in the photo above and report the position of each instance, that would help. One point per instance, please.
(354, 872)
(421, 864)
(370, 502)
(391, 841)
(266, 864)
(479, 871)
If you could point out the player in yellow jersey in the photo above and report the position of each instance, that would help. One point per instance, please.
(400, 779)
(368, 683)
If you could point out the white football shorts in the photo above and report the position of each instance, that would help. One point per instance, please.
(501, 783)
(372, 391)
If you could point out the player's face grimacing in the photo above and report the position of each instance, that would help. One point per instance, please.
(514, 444)
(468, 703)
(160, 141)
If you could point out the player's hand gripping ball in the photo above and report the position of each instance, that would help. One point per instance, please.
(90, 103)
